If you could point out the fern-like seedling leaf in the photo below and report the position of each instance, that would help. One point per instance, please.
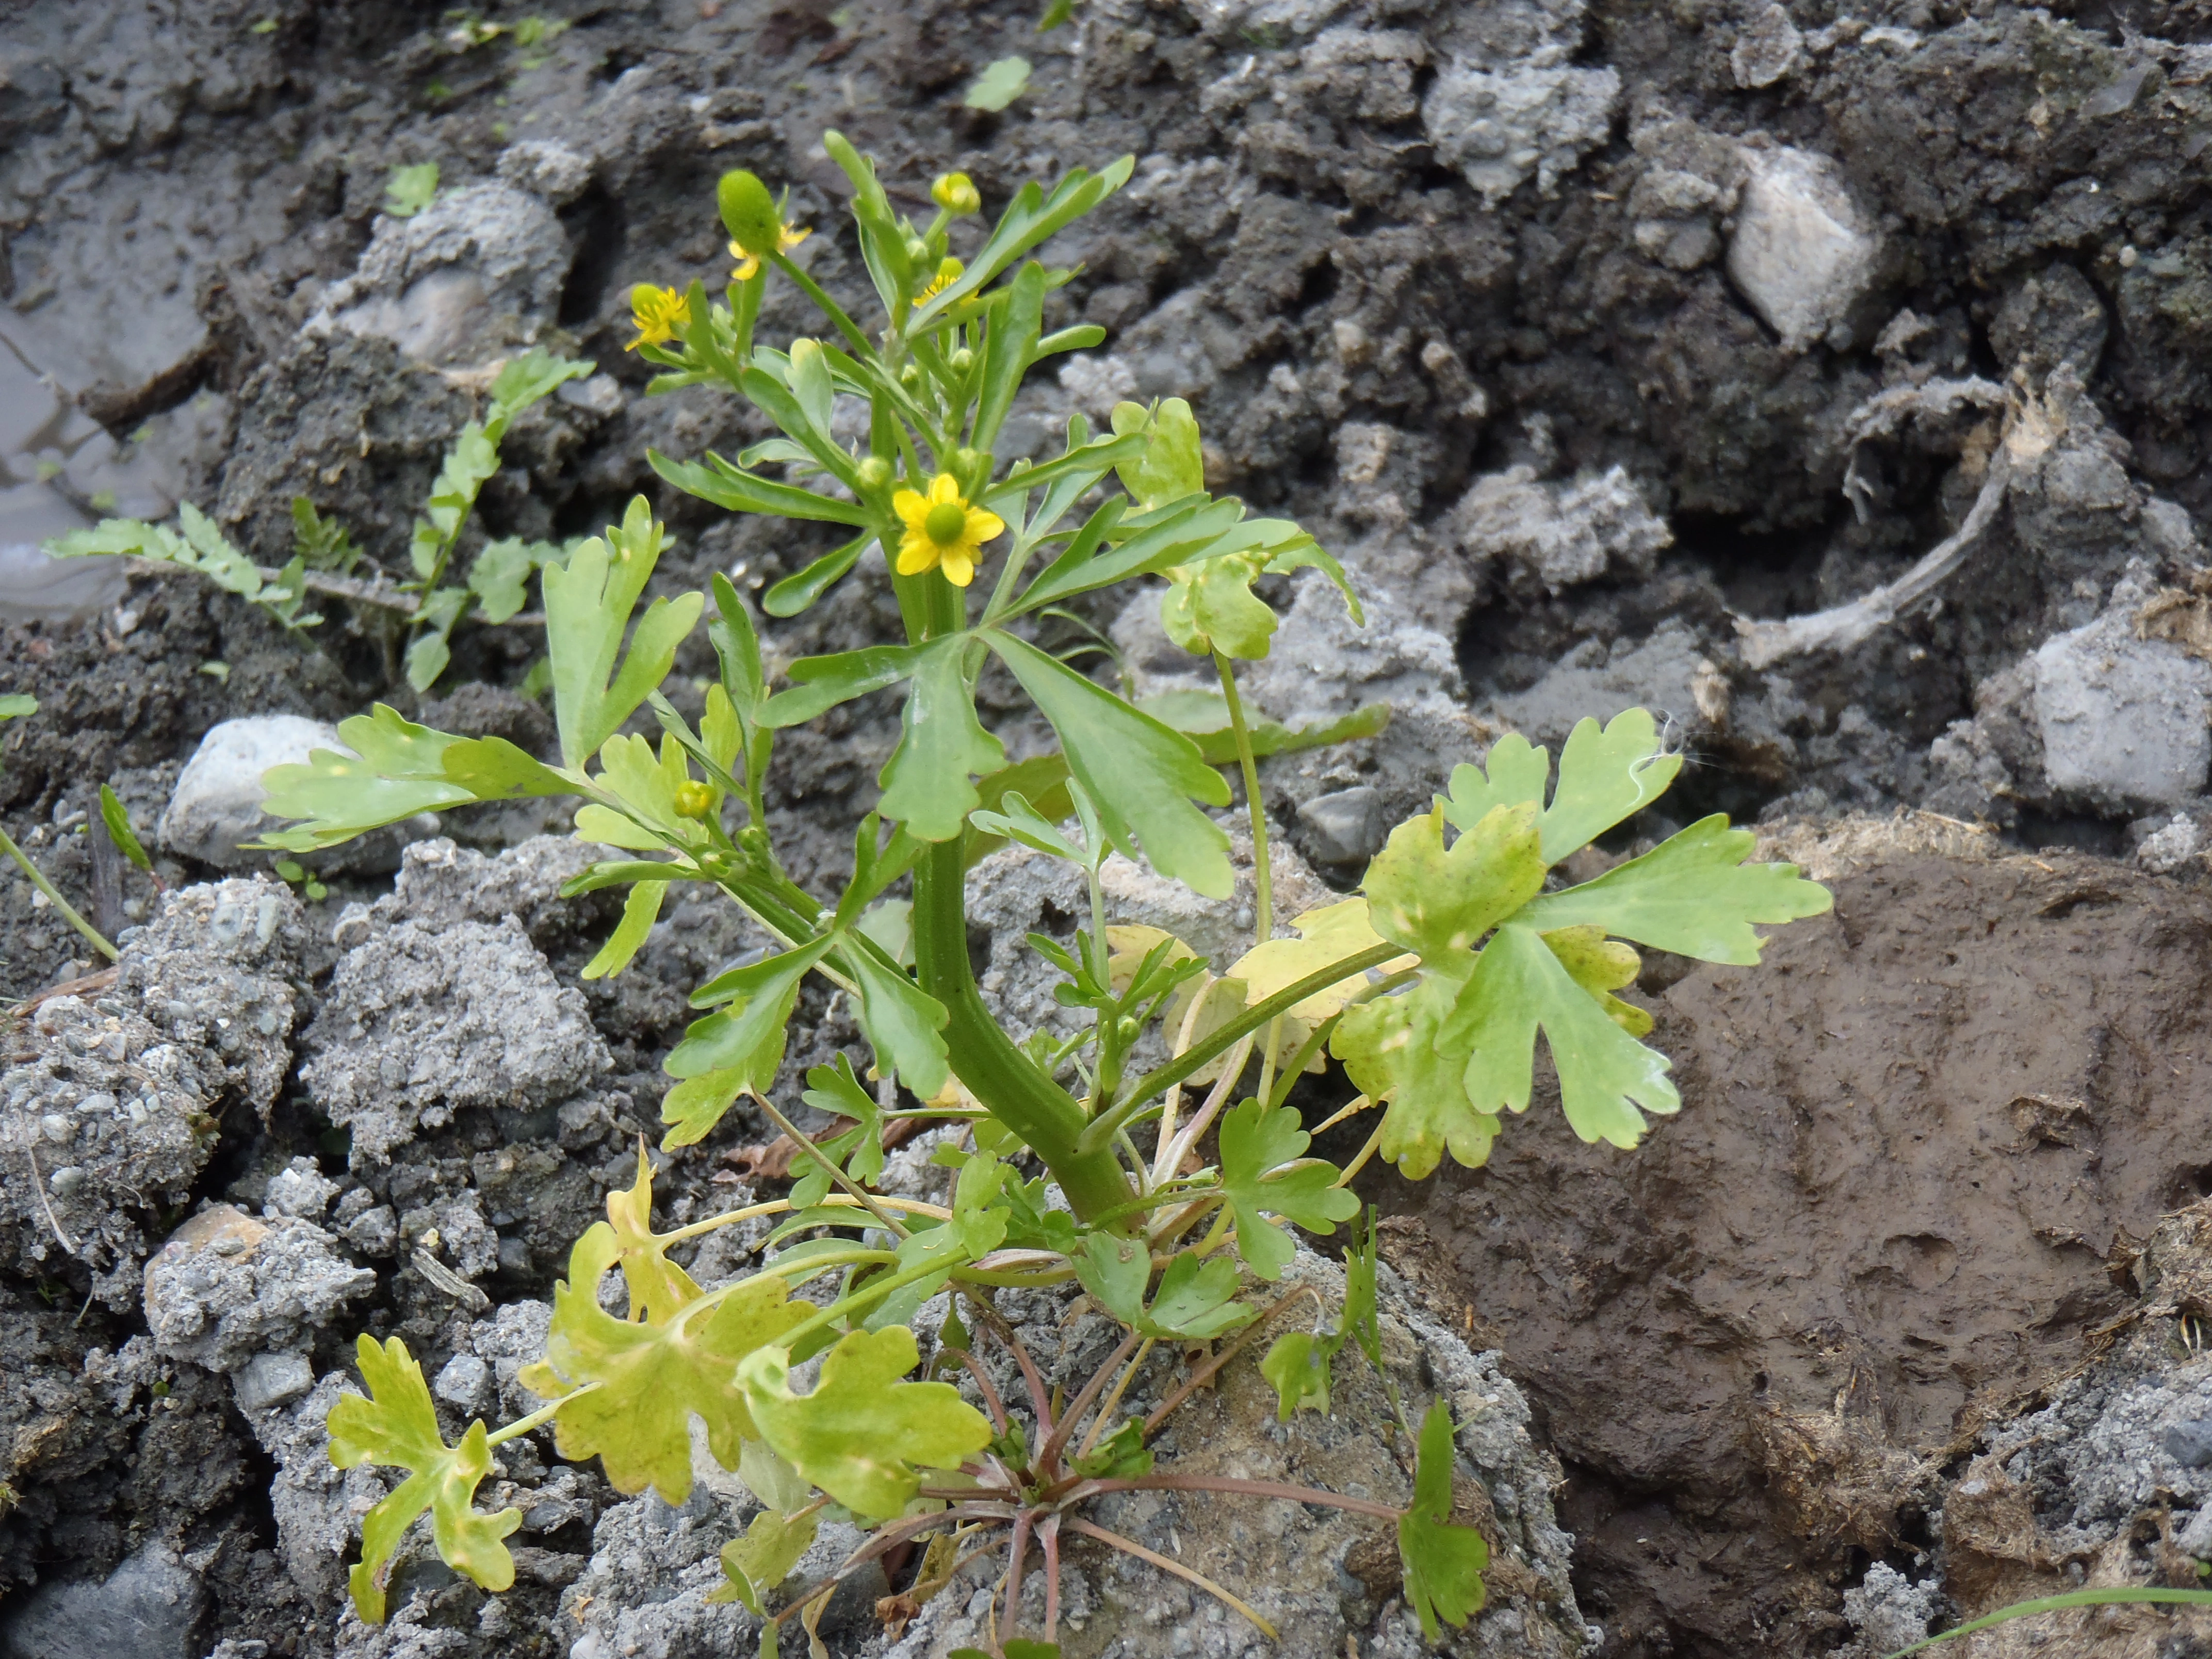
(1442, 1565)
(863, 1435)
(653, 1375)
(396, 1425)
(588, 610)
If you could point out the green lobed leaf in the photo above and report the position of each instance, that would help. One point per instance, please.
(926, 782)
(746, 1038)
(795, 592)
(640, 911)
(1172, 465)
(1030, 218)
(1142, 776)
(862, 1434)
(1010, 346)
(1263, 1168)
(858, 1151)
(1518, 986)
(1692, 894)
(653, 1378)
(1433, 900)
(1195, 1301)
(588, 610)
(733, 487)
(904, 1024)
(397, 1424)
(1210, 606)
(820, 683)
(1441, 1564)
(1605, 772)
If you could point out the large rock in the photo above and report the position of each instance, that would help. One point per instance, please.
(422, 1022)
(105, 1124)
(1802, 253)
(226, 1288)
(149, 1607)
(478, 267)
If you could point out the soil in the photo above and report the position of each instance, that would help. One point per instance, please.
(1539, 395)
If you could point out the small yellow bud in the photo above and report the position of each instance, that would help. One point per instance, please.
(694, 799)
(956, 194)
(910, 376)
(875, 473)
(750, 212)
(962, 361)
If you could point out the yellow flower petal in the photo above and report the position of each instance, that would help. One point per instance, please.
(959, 569)
(944, 488)
(791, 239)
(984, 526)
(912, 508)
(917, 553)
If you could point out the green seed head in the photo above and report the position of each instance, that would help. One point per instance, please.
(945, 522)
(750, 212)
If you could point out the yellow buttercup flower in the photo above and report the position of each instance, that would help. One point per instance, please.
(749, 265)
(657, 313)
(943, 532)
(948, 271)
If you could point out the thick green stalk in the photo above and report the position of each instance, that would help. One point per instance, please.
(1003, 1079)
(1000, 1076)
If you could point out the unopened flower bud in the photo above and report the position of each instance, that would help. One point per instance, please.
(750, 213)
(910, 376)
(962, 361)
(956, 194)
(876, 472)
(694, 799)
(916, 250)
(752, 841)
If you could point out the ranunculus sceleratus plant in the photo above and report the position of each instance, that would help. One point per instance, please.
(1428, 987)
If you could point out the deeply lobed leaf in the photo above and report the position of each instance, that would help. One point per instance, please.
(397, 1424)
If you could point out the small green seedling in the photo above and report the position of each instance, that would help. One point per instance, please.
(496, 586)
(411, 190)
(1430, 986)
(16, 706)
(1002, 82)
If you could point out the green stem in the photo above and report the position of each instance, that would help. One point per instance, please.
(1263, 886)
(1003, 1080)
(827, 306)
(1263, 889)
(1195, 1059)
(53, 897)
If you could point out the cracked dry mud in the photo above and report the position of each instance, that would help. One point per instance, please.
(1627, 352)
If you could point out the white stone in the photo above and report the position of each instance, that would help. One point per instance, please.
(1767, 50)
(217, 802)
(1499, 126)
(271, 1379)
(1802, 253)
(299, 1190)
(2125, 722)
(465, 1382)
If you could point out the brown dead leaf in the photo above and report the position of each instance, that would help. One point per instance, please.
(2180, 615)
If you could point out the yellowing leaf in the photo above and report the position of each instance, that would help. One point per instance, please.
(862, 1434)
(659, 1289)
(1326, 935)
(1392, 1051)
(1432, 901)
(763, 1558)
(1601, 966)
(397, 1424)
(640, 911)
(1441, 1564)
(653, 1378)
